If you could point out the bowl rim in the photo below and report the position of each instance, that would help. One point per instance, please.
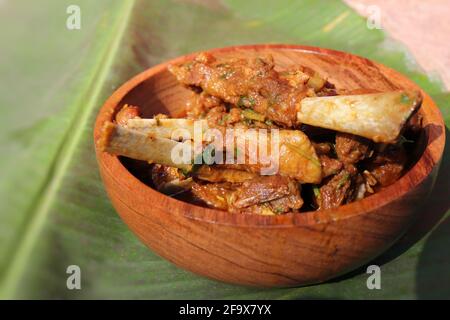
(410, 180)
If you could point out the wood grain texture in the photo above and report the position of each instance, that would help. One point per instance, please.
(285, 250)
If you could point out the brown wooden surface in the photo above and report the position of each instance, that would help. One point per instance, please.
(285, 250)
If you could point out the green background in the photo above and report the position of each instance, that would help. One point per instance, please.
(53, 209)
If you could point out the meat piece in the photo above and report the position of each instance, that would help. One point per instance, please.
(217, 113)
(209, 101)
(337, 191)
(216, 116)
(263, 195)
(247, 83)
(327, 90)
(260, 190)
(387, 165)
(305, 78)
(127, 112)
(291, 202)
(297, 77)
(199, 105)
(296, 157)
(169, 180)
(215, 195)
(163, 174)
(323, 148)
(330, 166)
(220, 174)
(351, 148)
(234, 116)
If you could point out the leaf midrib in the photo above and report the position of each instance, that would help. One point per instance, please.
(40, 208)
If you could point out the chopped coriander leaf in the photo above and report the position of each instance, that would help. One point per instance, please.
(343, 180)
(316, 191)
(405, 99)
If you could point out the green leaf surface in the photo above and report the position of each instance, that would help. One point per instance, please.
(53, 208)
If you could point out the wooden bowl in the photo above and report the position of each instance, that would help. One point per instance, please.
(284, 250)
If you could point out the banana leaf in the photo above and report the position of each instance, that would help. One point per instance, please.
(53, 209)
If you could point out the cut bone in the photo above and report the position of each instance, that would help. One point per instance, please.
(137, 145)
(377, 116)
